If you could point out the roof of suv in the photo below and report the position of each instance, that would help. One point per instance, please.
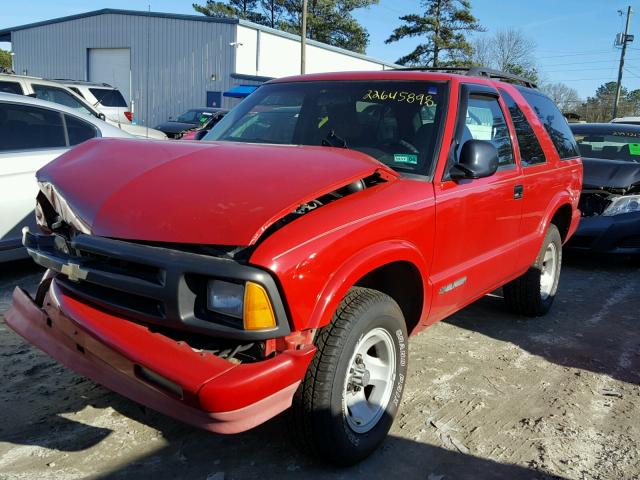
(441, 74)
(82, 83)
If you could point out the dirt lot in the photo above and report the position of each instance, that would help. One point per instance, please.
(489, 396)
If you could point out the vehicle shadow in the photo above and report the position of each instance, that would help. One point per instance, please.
(593, 323)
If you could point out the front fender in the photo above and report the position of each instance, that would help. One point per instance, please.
(360, 264)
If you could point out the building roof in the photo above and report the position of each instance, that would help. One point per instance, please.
(5, 34)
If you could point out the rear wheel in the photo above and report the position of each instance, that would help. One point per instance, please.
(532, 294)
(350, 395)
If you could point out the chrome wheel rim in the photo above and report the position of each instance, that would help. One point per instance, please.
(548, 271)
(369, 380)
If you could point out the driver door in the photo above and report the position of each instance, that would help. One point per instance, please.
(477, 220)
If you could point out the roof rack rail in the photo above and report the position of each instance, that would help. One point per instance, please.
(79, 82)
(479, 72)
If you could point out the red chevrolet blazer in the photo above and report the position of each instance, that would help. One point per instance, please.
(284, 260)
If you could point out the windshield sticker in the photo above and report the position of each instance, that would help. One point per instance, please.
(634, 148)
(400, 96)
(405, 158)
(432, 91)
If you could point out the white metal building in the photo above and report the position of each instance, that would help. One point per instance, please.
(167, 63)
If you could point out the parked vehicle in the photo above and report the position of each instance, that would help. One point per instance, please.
(198, 133)
(189, 120)
(610, 199)
(286, 260)
(102, 96)
(32, 133)
(57, 93)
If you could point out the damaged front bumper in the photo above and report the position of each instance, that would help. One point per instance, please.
(169, 376)
(608, 234)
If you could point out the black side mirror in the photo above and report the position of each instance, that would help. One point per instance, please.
(101, 116)
(478, 159)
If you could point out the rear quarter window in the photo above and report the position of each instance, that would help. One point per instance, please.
(553, 121)
(108, 97)
(11, 87)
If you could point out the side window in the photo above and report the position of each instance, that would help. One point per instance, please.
(485, 121)
(531, 152)
(24, 127)
(11, 87)
(60, 96)
(78, 130)
(554, 123)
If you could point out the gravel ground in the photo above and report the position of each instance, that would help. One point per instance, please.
(489, 395)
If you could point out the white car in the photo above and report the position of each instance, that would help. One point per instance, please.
(57, 93)
(627, 120)
(32, 133)
(104, 97)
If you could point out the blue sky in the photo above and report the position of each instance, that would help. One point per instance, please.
(574, 38)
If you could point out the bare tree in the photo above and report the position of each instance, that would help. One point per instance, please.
(511, 47)
(563, 95)
(508, 50)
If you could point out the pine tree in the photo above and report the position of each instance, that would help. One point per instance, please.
(328, 21)
(245, 9)
(443, 25)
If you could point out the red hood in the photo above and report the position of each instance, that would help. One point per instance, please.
(200, 193)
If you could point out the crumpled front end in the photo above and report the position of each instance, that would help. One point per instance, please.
(192, 385)
(133, 318)
(610, 221)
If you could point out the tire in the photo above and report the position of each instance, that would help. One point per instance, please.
(329, 417)
(532, 294)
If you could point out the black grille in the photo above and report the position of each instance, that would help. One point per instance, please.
(150, 284)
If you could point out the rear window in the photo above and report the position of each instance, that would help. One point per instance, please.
(553, 121)
(611, 145)
(11, 87)
(108, 97)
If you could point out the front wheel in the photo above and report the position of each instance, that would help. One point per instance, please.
(532, 294)
(349, 397)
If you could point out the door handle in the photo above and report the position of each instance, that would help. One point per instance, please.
(518, 192)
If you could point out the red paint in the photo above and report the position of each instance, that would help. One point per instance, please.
(230, 193)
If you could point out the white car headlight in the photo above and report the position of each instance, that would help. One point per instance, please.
(623, 204)
(226, 298)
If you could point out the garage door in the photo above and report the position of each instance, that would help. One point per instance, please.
(112, 66)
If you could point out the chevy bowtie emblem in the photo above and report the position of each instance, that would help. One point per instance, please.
(74, 272)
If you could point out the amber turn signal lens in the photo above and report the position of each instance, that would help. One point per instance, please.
(258, 312)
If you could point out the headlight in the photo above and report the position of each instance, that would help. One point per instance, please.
(623, 204)
(249, 302)
(226, 298)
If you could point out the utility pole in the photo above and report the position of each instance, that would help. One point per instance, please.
(303, 37)
(626, 38)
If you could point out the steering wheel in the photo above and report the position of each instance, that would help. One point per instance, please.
(399, 146)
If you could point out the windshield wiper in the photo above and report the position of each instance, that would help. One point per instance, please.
(332, 140)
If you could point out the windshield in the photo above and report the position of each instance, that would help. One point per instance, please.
(623, 146)
(396, 122)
